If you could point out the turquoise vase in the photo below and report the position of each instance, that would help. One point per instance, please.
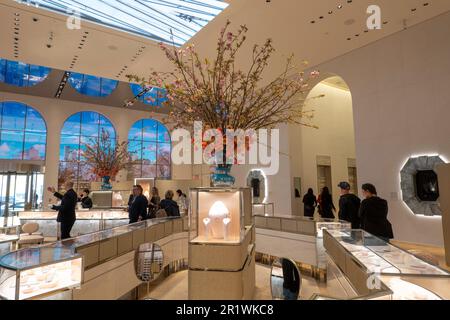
(106, 183)
(221, 176)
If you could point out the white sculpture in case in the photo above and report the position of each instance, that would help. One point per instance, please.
(218, 213)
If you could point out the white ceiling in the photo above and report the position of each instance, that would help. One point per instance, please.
(109, 53)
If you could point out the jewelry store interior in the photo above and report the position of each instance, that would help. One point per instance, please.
(118, 182)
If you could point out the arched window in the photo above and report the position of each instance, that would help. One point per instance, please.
(154, 97)
(23, 133)
(91, 85)
(22, 74)
(150, 146)
(78, 130)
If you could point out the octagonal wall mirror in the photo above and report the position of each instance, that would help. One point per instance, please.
(419, 185)
(285, 280)
(148, 261)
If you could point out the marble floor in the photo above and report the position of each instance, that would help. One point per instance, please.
(175, 287)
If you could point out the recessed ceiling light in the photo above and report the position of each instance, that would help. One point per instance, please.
(385, 22)
(313, 21)
(16, 19)
(349, 38)
(425, 4)
(330, 12)
(321, 17)
(413, 9)
(349, 1)
(17, 14)
(340, 6)
(349, 22)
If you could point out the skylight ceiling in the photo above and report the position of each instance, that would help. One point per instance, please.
(169, 21)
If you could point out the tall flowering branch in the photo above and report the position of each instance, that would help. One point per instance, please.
(221, 96)
(105, 156)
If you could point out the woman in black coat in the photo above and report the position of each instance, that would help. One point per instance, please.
(373, 213)
(309, 203)
(326, 206)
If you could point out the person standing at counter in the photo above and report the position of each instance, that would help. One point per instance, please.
(153, 205)
(373, 213)
(86, 202)
(169, 205)
(138, 206)
(66, 210)
(349, 205)
(183, 202)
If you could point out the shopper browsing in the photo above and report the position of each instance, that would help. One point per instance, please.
(373, 213)
(138, 206)
(349, 205)
(309, 203)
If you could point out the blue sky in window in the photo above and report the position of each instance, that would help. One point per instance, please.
(169, 21)
(147, 141)
(11, 145)
(79, 129)
(23, 132)
(155, 97)
(91, 85)
(21, 74)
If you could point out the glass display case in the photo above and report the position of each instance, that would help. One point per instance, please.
(110, 199)
(368, 262)
(35, 272)
(217, 215)
(8, 238)
(380, 256)
(266, 209)
(88, 221)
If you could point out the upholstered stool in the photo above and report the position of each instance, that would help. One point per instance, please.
(31, 234)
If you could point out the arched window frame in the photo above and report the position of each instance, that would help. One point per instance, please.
(18, 133)
(145, 144)
(70, 157)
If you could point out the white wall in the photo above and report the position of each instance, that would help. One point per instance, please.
(401, 102)
(333, 114)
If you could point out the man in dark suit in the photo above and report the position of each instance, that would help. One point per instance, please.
(66, 210)
(138, 207)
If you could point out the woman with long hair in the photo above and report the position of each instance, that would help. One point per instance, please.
(153, 205)
(326, 206)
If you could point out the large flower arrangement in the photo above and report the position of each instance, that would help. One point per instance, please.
(223, 97)
(105, 156)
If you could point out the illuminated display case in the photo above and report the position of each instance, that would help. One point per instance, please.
(36, 272)
(219, 215)
(221, 244)
(362, 257)
(110, 199)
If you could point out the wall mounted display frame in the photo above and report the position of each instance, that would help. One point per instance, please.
(257, 181)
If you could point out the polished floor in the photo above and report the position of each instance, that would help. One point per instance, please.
(175, 287)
